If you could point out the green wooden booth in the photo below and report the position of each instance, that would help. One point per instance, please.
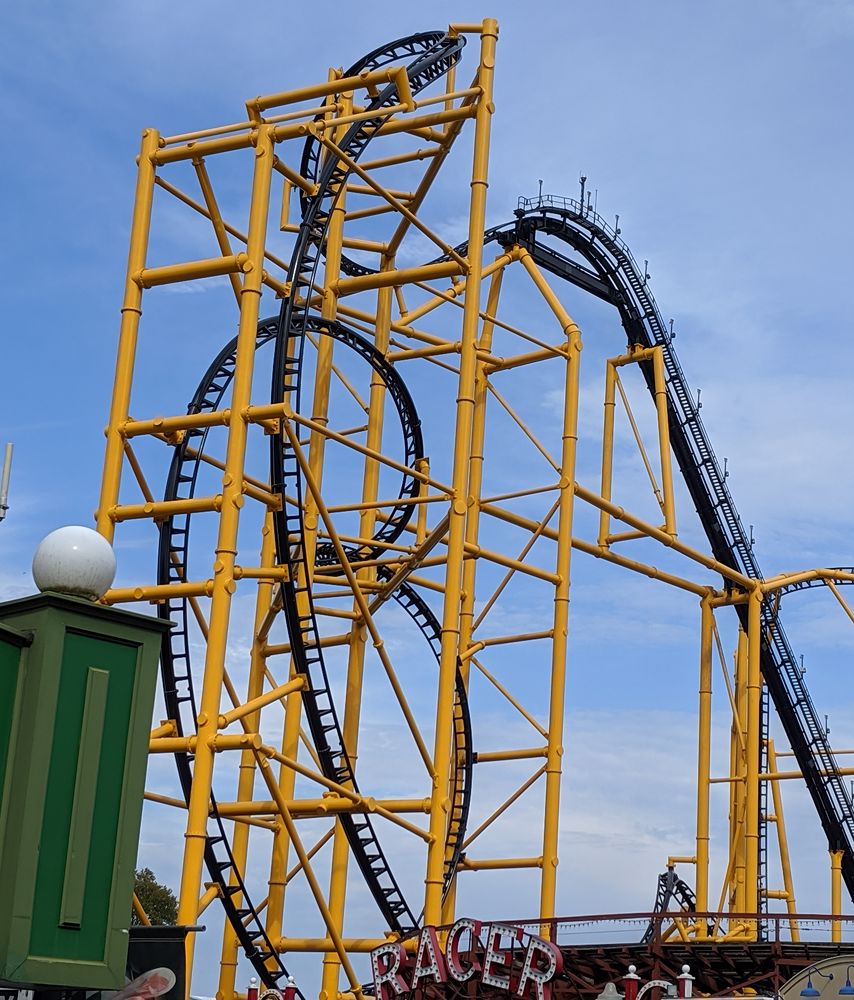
(77, 684)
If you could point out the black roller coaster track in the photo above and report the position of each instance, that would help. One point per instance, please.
(306, 649)
(176, 669)
(432, 55)
(670, 888)
(424, 44)
(175, 659)
(615, 277)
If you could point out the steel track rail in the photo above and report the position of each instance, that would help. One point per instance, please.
(623, 283)
(310, 165)
(461, 784)
(670, 887)
(435, 54)
(176, 672)
(304, 634)
(175, 661)
(615, 277)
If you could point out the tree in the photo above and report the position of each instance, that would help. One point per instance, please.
(157, 900)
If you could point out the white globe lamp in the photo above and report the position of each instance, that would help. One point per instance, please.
(75, 560)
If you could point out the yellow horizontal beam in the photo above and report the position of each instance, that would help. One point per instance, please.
(261, 573)
(465, 28)
(326, 805)
(280, 649)
(498, 864)
(431, 351)
(787, 579)
(166, 728)
(400, 276)
(424, 153)
(339, 85)
(421, 124)
(635, 353)
(845, 772)
(493, 756)
(365, 189)
(158, 592)
(172, 744)
(624, 536)
(170, 425)
(505, 640)
(210, 267)
(245, 126)
(316, 945)
(529, 358)
(165, 800)
(159, 509)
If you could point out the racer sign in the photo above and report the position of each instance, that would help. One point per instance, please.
(472, 951)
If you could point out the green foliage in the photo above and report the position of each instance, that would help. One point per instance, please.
(157, 900)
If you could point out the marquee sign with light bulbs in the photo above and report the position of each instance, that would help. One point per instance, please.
(488, 957)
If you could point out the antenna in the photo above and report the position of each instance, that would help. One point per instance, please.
(4, 480)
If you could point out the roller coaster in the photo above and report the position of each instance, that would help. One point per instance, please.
(334, 548)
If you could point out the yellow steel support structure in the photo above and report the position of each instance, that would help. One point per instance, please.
(450, 648)
(788, 891)
(704, 739)
(449, 547)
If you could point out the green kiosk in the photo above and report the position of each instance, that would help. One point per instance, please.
(77, 682)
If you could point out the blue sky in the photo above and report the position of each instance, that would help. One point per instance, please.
(719, 133)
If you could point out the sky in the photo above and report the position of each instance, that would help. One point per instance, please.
(717, 132)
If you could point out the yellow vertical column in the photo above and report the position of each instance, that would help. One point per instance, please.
(128, 333)
(281, 840)
(704, 740)
(476, 467)
(473, 523)
(836, 894)
(607, 449)
(754, 737)
(560, 625)
(459, 481)
(226, 544)
(664, 441)
(783, 843)
(358, 638)
(246, 773)
(737, 778)
(317, 451)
